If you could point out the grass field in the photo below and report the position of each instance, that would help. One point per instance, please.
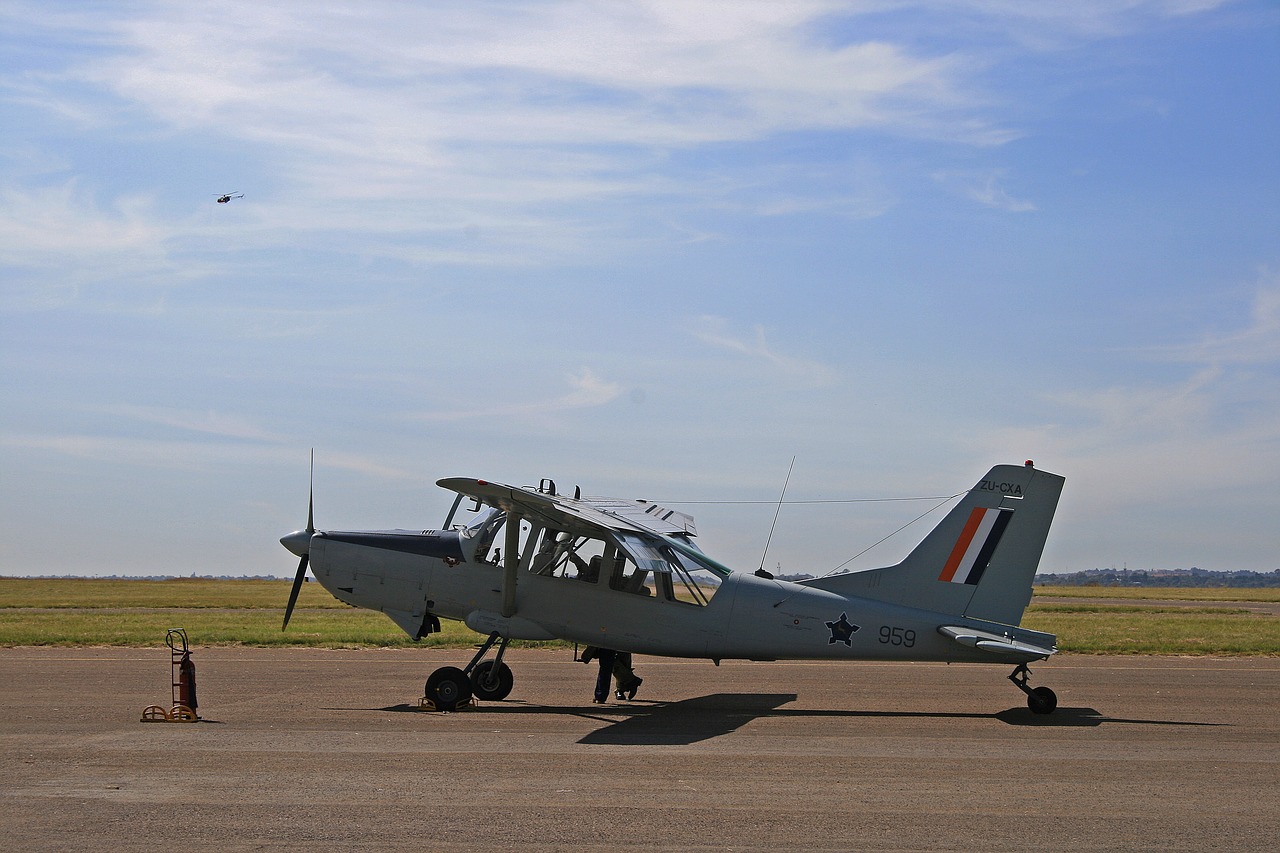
(1163, 593)
(96, 612)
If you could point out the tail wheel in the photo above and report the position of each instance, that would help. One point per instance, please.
(447, 688)
(492, 681)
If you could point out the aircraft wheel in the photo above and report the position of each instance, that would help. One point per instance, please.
(492, 683)
(182, 714)
(1042, 700)
(447, 688)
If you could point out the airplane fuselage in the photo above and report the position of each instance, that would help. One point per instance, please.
(413, 576)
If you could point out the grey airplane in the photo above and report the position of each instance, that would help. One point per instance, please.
(528, 563)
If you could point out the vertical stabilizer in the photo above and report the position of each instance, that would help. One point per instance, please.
(981, 558)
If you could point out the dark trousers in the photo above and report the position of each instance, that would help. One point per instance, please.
(603, 678)
(623, 674)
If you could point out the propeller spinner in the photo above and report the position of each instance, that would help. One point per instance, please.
(299, 542)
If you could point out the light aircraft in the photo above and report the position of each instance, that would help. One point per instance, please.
(526, 563)
(226, 197)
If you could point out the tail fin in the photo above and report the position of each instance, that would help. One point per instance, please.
(981, 558)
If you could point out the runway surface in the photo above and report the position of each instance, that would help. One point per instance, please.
(320, 750)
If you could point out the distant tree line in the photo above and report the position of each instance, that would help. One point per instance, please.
(1160, 577)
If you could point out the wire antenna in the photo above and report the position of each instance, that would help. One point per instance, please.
(760, 571)
(894, 533)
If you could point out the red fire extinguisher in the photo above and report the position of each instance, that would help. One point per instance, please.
(187, 681)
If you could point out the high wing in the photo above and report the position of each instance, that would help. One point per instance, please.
(575, 515)
(646, 515)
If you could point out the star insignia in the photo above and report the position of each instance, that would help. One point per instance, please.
(842, 631)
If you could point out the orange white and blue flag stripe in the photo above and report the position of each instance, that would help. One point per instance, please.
(978, 540)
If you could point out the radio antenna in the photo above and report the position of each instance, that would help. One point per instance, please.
(760, 571)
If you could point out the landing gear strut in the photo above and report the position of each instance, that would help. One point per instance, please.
(491, 679)
(448, 687)
(1041, 700)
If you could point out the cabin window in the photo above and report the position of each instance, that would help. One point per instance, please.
(563, 555)
(656, 568)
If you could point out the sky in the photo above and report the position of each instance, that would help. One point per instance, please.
(652, 249)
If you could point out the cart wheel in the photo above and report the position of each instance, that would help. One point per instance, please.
(182, 714)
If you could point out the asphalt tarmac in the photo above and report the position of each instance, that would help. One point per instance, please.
(323, 750)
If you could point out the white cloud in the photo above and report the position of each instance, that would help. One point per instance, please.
(415, 97)
(61, 219)
(1053, 26)
(756, 351)
(120, 452)
(1256, 344)
(587, 390)
(983, 188)
(399, 126)
(210, 422)
(1215, 428)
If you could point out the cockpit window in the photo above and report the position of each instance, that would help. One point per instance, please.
(668, 568)
(561, 554)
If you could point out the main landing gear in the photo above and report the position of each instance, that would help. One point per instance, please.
(449, 687)
(1041, 700)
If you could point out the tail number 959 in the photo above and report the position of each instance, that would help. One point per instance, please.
(897, 636)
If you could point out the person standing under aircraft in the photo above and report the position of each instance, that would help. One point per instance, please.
(606, 658)
(627, 682)
(625, 677)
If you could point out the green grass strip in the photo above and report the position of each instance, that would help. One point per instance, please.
(1162, 593)
(1167, 632)
(101, 612)
(183, 593)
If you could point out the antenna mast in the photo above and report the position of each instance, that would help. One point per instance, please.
(760, 571)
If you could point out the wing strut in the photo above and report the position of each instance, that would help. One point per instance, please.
(510, 563)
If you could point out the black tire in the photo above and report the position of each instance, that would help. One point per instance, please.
(1042, 700)
(447, 688)
(493, 684)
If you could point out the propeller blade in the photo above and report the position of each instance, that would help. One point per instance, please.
(293, 594)
(311, 492)
(311, 529)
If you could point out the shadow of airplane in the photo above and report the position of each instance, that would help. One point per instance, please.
(649, 723)
(705, 717)
(1080, 717)
(690, 720)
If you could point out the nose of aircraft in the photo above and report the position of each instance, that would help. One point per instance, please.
(298, 542)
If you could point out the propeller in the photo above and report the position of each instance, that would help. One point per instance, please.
(300, 543)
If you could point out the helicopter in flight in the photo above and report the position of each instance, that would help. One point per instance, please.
(226, 197)
(529, 563)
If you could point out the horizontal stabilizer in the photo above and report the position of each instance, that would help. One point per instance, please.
(997, 644)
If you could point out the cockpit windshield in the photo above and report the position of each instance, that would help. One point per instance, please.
(679, 571)
(481, 530)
